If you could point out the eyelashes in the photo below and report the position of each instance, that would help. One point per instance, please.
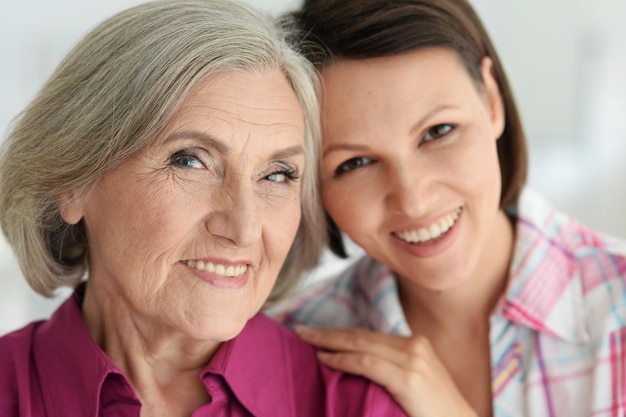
(433, 133)
(286, 173)
(186, 158)
(438, 131)
(352, 164)
(278, 172)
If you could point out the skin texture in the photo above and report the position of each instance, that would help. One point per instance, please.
(410, 140)
(221, 185)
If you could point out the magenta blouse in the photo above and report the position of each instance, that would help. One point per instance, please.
(54, 368)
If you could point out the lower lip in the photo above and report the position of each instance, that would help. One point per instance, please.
(425, 250)
(220, 281)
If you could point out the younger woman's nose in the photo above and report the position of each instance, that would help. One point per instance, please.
(408, 191)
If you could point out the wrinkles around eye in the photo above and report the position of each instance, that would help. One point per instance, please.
(187, 158)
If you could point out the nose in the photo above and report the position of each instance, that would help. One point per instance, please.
(408, 190)
(237, 219)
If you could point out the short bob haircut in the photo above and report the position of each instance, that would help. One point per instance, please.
(111, 97)
(358, 29)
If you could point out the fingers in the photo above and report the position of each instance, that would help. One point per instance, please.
(347, 339)
(402, 351)
(408, 367)
(370, 366)
(421, 387)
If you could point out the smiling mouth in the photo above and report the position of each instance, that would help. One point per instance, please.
(218, 269)
(432, 232)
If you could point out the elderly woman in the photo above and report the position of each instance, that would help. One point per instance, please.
(164, 171)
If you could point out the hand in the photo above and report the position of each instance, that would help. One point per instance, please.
(407, 367)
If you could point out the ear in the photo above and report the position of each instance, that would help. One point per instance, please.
(493, 96)
(72, 207)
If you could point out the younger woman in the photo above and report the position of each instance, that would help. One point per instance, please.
(481, 299)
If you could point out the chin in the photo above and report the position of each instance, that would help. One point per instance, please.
(219, 329)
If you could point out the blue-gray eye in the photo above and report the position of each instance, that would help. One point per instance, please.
(186, 159)
(438, 131)
(283, 176)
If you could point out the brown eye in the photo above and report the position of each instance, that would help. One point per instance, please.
(352, 164)
(438, 131)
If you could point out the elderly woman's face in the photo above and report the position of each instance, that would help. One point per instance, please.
(193, 231)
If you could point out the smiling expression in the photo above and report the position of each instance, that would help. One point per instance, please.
(190, 234)
(410, 168)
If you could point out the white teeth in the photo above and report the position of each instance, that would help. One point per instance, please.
(424, 234)
(219, 269)
(434, 230)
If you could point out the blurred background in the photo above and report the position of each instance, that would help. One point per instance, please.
(565, 60)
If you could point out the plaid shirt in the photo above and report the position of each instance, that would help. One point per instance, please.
(558, 334)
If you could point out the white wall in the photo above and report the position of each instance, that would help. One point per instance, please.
(565, 59)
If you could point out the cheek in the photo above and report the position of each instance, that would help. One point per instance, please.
(347, 206)
(487, 167)
(159, 218)
(281, 224)
(146, 224)
(475, 163)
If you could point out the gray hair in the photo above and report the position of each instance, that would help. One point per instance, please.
(110, 97)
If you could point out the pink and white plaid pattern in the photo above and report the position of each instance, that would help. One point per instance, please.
(558, 335)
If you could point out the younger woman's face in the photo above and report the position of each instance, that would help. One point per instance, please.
(410, 168)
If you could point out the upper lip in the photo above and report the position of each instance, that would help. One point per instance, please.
(222, 261)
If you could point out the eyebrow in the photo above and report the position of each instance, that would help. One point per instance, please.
(362, 148)
(288, 152)
(194, 134)
(422, 121)
(224, 149)
(344, 147)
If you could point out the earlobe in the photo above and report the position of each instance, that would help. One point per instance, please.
(493, 96)
(71, 208)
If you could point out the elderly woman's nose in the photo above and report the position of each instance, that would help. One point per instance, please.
(238, 219)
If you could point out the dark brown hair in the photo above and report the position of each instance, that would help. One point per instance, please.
(360, 29)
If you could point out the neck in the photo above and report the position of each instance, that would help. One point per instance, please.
(162, 364)
(469, 305)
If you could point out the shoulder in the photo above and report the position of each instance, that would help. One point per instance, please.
(576, 258)
(352, 395)
(336, 301)
(544, 233)
(341, 394)
(16, 370)
(15, 348)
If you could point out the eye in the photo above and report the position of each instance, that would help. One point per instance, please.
(352, 164)
(186, 159)
(285, 174)
(438, 131)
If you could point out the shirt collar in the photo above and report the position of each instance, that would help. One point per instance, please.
(77, 377)
(545, 291)
(379, 290)
(250, 366)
